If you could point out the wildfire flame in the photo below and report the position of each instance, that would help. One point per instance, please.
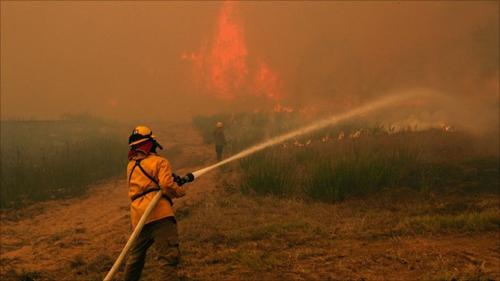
(266, 82)
(221, 67)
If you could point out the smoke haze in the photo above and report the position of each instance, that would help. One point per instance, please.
(173, 60)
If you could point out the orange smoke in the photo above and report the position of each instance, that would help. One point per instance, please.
(222, 68)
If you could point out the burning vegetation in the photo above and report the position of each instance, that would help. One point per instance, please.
(224, 69)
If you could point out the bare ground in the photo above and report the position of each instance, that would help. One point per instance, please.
(226, 235)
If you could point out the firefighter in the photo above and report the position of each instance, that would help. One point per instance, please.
(219, 139)
(148, 173)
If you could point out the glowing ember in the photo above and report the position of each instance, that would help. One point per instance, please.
(280, 108)
(222, 69)
(447, 128)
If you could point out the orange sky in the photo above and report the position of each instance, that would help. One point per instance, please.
(122, 60)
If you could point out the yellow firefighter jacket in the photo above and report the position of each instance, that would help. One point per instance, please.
(158, 168)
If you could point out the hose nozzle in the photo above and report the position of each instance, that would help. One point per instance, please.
(189, 177)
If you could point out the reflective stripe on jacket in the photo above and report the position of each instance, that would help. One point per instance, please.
(158, 168)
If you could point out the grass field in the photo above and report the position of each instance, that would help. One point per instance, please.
(332, 170)
(358, 201)
(53, 159)
(356, 158)
(229, 230)
(396, 234)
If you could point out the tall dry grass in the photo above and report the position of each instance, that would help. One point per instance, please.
(332, 168)
(52, 159)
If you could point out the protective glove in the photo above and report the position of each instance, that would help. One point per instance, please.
(189, 177)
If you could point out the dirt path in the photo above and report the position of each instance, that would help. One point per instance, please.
(46, 240)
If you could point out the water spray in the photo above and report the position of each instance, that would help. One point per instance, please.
(332, 120)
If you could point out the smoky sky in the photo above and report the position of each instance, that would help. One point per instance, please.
(122, 60)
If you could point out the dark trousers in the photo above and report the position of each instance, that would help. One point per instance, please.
(218, 150)
(162, 234)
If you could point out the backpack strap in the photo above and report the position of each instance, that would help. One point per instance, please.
(138, 164)
(137, 196)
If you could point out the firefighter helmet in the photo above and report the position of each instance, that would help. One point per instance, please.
(140, 134)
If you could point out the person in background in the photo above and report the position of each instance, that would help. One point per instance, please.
(219, 139)
(148, 173)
